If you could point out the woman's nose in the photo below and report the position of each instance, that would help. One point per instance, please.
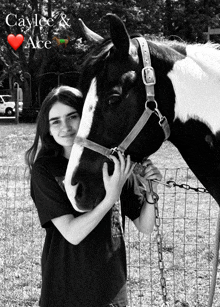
(66, 125)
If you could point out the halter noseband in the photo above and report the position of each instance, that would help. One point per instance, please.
(149, 80)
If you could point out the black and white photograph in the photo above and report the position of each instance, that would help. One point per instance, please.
(109, 153)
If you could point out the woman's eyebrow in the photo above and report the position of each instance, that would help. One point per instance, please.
(71, 113)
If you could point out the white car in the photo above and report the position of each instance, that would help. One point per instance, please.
(7, 105)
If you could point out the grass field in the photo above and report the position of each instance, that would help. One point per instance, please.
(15, 140)
(188, 222)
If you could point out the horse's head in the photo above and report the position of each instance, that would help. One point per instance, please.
(115, 99)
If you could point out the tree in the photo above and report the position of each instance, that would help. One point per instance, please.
(37, 21)
(191, 18)
(40, 20)
(168, 18)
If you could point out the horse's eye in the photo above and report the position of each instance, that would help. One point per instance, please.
(114, 99)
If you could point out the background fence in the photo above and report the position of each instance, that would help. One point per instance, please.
(188, 221)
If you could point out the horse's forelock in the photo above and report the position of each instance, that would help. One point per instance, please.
(93, 64)
(99, 54)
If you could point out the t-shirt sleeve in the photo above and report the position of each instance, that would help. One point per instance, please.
(131, 200)
(50, 199)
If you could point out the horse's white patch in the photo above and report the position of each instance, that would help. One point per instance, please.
(88, 111)
(196, 84)
(83, 132)
(71, 168)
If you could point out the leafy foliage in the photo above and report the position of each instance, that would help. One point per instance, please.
(186, 19)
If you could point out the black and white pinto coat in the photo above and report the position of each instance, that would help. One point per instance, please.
(187, 92)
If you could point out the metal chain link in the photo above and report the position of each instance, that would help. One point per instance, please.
(159, 247)
(169, 183)
(172, 183)
(139, 169)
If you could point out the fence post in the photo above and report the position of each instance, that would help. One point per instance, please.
(212, 32)
(16, 103)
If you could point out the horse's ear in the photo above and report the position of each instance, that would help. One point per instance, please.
(119, 34)
(89, 34)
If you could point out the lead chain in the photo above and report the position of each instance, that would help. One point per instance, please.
(160, 257)
(159, 247)
(172, 183)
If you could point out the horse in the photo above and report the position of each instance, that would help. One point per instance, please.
(174, 86)
(61, 41)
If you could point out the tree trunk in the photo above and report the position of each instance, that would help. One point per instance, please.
(168, 27)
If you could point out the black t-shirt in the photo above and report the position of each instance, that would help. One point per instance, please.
(92, 273)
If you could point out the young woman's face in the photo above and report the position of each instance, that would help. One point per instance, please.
(63, 124)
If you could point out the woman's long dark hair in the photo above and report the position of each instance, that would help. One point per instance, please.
(48, 147)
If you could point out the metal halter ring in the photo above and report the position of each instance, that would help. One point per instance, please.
(151, 100)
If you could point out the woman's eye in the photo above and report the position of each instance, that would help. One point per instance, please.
(114, 99)
(73, 116)
(56, 122)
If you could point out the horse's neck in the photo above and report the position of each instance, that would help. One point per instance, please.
(197, 106)
(201, 151)
(197, 93)
(195, 137)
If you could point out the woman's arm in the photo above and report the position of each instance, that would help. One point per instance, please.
(146, 221)
(74, 230)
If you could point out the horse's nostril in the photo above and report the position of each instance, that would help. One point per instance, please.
(74, 182)
(80, 191)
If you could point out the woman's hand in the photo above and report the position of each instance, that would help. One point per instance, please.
(114, 183)
(151, 172)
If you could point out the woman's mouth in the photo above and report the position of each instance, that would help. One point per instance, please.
(68, 135)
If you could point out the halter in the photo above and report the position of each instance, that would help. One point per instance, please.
(149, 80)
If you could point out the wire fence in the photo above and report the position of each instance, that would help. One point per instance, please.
(188, 221)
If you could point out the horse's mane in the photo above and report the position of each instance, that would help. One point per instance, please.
(166, 44)
(100, 52)
(207, 56)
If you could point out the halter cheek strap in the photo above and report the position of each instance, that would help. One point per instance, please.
(136, 130)
(149, 80)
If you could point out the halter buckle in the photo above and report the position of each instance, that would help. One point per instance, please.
(114, 150)
(163, 123)
(158, 113)
(162, 120)
(148, 76)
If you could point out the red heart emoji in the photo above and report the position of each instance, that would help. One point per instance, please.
(15, 41)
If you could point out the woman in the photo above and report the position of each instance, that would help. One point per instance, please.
(83, 260)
